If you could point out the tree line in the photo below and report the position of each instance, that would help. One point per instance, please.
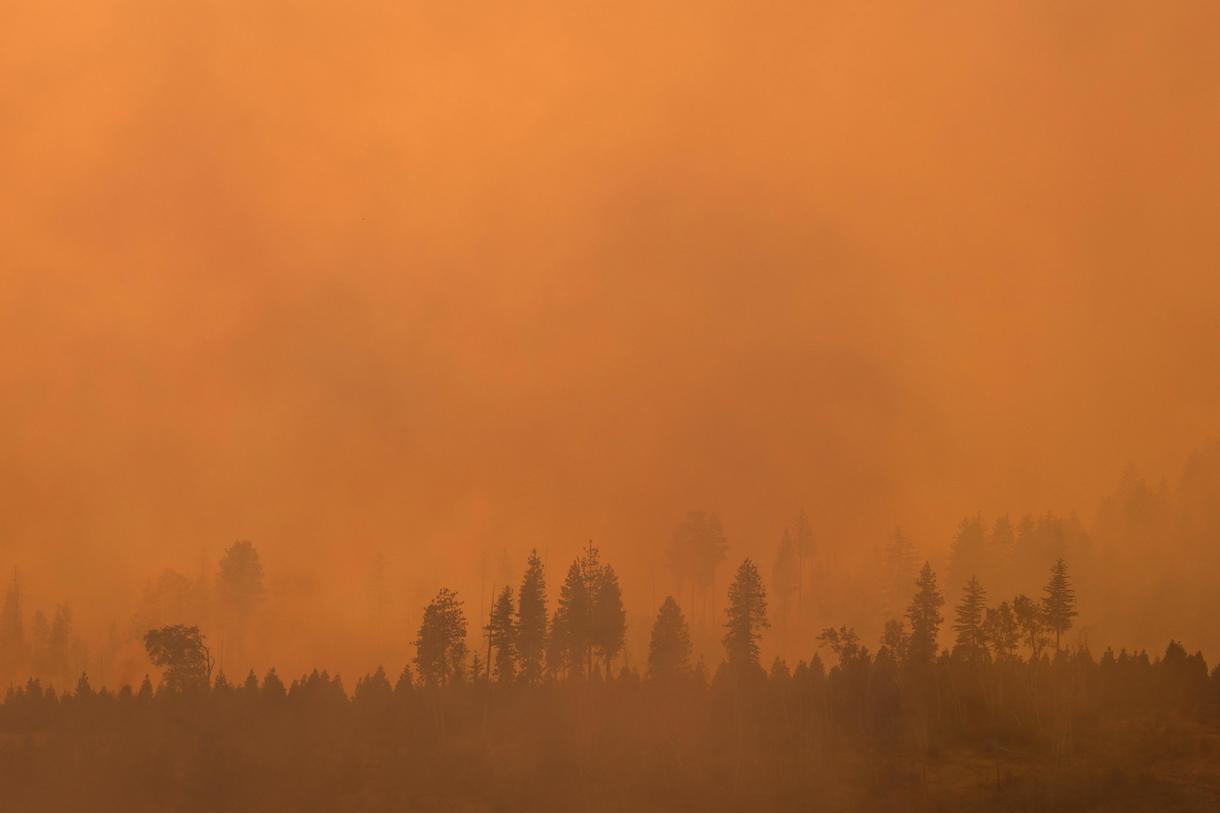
(553, 688)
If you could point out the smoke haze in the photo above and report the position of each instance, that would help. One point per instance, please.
(445, 282)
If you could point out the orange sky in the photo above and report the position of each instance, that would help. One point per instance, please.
(439, 278)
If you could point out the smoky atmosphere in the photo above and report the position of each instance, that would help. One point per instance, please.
(635, 406)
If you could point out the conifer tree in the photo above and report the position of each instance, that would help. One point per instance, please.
(609, 617)
(273, 691)
(924, 615)
(405, 683)
(441, 646)
(531, 621)
(1059, 603)
(970, 644)
(574, 626)
(501, 636)
(746, 617)
(669, 646)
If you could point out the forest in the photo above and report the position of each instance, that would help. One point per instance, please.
(965, 703)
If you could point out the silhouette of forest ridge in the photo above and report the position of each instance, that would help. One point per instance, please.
(1003, 717)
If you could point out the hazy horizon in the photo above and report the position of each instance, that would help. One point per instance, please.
(438, 282)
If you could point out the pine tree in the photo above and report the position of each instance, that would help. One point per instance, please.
(970, 644)
(1059, 603)
(609, 617)
(502, 635)
(747, 617)
(273, 691)
(531, 620)
(441, 645)
(574, 625)
(669, 647)
(924, 615)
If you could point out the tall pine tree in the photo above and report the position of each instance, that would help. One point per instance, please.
(971, 645)
(924, 615)
(747, 617)
(502, 637)
(669, 648)
(440, 649)
(1059, 603)
(609, 617)
(531, 621)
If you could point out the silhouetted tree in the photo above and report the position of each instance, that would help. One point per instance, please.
(971, 643)
(572, 627)
(695, 552)
(531, 620)
(924, 615)
(844, 642)
(669, 646)
(1001, 631)
(273, 692)
(183, 654)
(590, 615)
(747, 617)
(1059, 603)
(609, 617)
(441, 645)
(895, 640)
(240, 585)
(1031, 624)
(502, 635)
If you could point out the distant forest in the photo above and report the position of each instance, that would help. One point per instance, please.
(968, 704)
(970, 695)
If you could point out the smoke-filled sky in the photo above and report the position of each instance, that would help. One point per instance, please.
(437, 279)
